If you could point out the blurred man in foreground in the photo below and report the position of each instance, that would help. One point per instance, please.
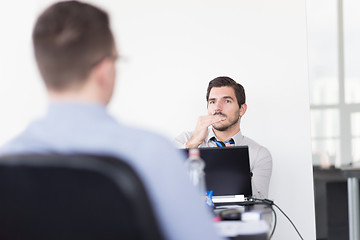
(76, 53)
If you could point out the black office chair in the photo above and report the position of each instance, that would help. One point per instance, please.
(73, 197)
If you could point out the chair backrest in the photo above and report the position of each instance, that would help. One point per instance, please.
(73, 197)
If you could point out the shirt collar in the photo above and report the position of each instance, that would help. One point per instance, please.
(62, 109)
(238, 138)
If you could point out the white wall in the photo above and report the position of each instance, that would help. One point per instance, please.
(22, 97)
(172, 50)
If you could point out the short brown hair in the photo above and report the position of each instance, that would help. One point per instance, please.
(69, 39)
(226, 81)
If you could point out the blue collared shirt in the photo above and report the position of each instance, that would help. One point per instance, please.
(87, 128)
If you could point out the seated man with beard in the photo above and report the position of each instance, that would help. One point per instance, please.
(221, 128)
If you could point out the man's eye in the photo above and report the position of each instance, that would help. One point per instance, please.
(211, 102)
(228, 101)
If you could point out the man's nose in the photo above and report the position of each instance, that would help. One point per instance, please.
(218, 106)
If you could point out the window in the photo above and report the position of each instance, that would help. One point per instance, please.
(334, 75)
(351, 15)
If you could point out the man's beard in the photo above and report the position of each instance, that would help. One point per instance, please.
(225, 127)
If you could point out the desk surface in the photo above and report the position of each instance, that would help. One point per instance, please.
(328, 174)
(351, 171)
(236, 228)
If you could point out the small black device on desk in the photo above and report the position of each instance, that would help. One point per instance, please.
(230, 214)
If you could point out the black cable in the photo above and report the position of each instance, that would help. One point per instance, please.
(289, 221)
(275, 221)
(271, 203)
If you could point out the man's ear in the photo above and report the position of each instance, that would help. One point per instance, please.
(101, 72)
(243, 109)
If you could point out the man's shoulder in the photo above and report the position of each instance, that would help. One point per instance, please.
(20, 143)
(123, 138)
(186, 134)
(255, 146)
(139, 135)
(105, 136)
(250, 141)
(180, 140)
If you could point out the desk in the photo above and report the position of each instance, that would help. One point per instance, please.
(250, 230)
(331, 204)
(353, 175)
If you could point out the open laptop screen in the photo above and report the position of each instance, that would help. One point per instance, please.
(227, 170)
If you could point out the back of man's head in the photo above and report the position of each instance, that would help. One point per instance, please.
(70, 38)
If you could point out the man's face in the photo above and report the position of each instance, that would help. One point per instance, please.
(222, 100)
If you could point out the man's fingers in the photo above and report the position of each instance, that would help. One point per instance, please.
(201, 130)
(211, 119)
(220, 118)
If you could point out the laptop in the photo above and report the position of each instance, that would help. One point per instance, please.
(227, 173)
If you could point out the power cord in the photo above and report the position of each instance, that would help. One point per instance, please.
(271, 204)
(275, 221)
